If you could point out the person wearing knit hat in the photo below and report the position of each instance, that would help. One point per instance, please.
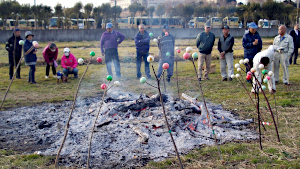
(50, 53)
(14, 52)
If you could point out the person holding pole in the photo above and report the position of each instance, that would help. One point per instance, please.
(14, 52)
(142, 43)
(166, 46)
(30, 58)
(285, 42)
(225, 45)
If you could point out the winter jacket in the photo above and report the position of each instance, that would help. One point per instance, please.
(296, 38)
(226, 44)
(69, 61)
(205, 42)
(251, 50)
(10, 46)
(166, 44)
(49, 56)
(30, 58)
(111, 40)
(142, 42)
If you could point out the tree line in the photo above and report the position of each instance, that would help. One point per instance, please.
(285, 12)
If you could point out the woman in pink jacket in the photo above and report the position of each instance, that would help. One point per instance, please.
(50, 53)
(69, 63)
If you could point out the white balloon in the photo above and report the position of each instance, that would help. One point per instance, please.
(80, 61)
(241, 61)
(237, 75)
(253, 70)
(270, 73)
(239, 69)
(177, 48)
(232, 76)
(188, 49)
(237, 65)
(154, 40)
(246, 60)
(117, 83)
(261, 66)
(150, 58)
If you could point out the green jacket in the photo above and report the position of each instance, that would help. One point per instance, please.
(205, 42)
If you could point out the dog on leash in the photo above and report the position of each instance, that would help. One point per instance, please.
(64, 79)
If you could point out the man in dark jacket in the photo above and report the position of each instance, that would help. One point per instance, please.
(296, 38)
(166, 44)
(205, 42)
(14, 52)
(142, 43)
(252, 44)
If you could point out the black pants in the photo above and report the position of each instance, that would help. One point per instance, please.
(295, 53)
(12, 64)
(112, 55)
(48, 69)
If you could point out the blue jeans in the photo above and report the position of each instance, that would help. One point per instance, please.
(170, 61)
(112, 55)
(31, 73)
(139, 56)
(67, 72)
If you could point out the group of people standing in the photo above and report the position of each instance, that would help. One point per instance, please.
(50, 53)
(110, 40)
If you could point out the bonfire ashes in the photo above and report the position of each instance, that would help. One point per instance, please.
(130, 131)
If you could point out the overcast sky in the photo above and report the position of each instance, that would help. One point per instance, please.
(70, 3)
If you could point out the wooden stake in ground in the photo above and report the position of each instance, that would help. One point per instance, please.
(143, 80)
(103, 86)
(21, 42)
(177, 72)
(70, 115)
(208, 116)
(256, 89)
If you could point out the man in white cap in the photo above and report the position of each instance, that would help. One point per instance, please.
(205, 42)
(110, 40)
(285, 42)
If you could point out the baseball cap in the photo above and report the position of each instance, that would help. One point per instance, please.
(166, 26)
(109, 25)
(252, 25)
(16, 29)
(225, 27)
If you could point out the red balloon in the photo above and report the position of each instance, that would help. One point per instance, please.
(99, 59)
(248, 77)
(249, 73)
(166, 66)
(186, 56)
(167, 33)
(103, 86)
(178, 51)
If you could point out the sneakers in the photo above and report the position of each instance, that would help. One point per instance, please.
(46, 77)
(224, 79)
(54, 76)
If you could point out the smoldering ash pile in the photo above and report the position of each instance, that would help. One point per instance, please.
(130, 130)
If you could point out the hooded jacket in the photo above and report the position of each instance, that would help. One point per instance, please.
(30, 58)
(251, 50)
(10, 45)
(111, 40)
(69, 61)
(48, 55)
(142, 42)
